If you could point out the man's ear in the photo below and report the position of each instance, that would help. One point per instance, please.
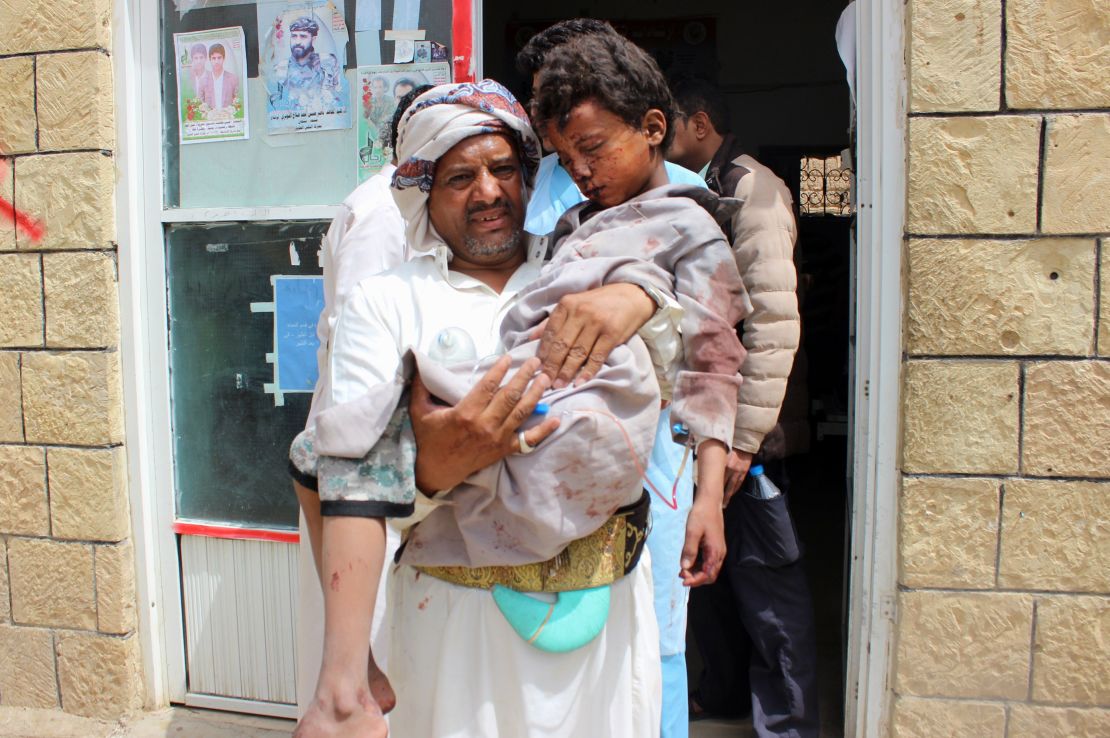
(701, 124)
(654, 127)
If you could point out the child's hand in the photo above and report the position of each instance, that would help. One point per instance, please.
(704, 551)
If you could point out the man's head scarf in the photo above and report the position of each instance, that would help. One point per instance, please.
(438, 120)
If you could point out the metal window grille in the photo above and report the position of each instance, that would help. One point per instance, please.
(825, 186)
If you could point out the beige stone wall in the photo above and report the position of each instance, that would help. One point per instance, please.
(67, 574)
(1004, 613)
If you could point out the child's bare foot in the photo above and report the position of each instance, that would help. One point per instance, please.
(380, 687)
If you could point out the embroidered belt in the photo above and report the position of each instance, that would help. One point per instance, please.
(601, 558)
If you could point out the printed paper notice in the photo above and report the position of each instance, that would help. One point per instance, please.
(297, 305)
(211, 85)
(302, 59)
(381, 87)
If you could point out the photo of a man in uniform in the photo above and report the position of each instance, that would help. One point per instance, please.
(305, 75)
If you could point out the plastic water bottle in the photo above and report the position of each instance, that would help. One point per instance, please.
(452, 346)
(764, 488)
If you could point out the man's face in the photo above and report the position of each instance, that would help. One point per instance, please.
(377, 86)
(477, 202)
(401, 90)
(300, 44)
(199, 60)
(609, 160)
(684, 142)
(217, 60)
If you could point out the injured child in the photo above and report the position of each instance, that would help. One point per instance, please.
(636, 229)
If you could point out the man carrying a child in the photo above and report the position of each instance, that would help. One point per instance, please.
(463, 662)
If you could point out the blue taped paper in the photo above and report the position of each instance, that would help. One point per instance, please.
(297, 305)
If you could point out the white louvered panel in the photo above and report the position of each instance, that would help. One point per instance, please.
(239, 618)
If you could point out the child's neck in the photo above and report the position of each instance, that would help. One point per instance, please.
(658, 176)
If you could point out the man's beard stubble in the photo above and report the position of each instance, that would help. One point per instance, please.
(477, 249)
(300, 52)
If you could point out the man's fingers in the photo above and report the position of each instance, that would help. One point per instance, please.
(535, 436)
(480, 395)
(602, 347)
(551, 327)
(537, 332)
(560, 342)
(577, 354)
(511, 396)
(525, 404)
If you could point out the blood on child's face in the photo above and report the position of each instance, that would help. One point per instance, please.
(610, 160)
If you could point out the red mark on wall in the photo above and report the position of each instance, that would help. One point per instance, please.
(30, 227)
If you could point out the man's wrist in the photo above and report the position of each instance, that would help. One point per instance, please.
(655, 295)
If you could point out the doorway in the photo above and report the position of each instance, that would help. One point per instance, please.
(789, 101)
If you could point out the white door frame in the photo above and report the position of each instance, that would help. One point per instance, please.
(880, 202)
(880, 193)
(143, 346)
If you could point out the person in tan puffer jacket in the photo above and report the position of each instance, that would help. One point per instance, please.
(762, 580)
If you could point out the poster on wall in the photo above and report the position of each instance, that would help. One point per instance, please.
(301, 61)
(211, 85)
(381, 87)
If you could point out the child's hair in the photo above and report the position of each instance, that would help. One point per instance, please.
(531, 58)
(608, 68)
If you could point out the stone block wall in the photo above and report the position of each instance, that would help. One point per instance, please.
(67, 574)
(1004, 606)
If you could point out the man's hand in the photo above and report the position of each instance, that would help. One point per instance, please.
(583, 328)
(342, 715)
(454, 442)
(705, 535)
(736, 470)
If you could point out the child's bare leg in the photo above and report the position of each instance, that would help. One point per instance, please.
(310, 506)
(380, 688)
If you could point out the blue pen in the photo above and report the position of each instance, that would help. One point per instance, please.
(541, 408)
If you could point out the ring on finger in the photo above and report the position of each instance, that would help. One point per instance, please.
(525, 447)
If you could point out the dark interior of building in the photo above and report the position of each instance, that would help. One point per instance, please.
(790, 105)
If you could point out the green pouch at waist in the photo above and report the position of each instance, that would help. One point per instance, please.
(574, 619)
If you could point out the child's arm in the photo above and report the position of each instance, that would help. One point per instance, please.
(714, 300)
(708, 287)
(705, 526)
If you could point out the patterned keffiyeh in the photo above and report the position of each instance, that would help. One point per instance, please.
(439, 119)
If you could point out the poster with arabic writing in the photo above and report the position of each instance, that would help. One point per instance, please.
(380, 88)
(301, 61)
(211, 85)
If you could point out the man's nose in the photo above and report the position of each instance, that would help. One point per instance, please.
(487, 188)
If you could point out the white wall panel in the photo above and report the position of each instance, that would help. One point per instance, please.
(239, 618)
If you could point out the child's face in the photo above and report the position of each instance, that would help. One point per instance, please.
(610, 160)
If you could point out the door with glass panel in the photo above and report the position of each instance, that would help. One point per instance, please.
(271, 114)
